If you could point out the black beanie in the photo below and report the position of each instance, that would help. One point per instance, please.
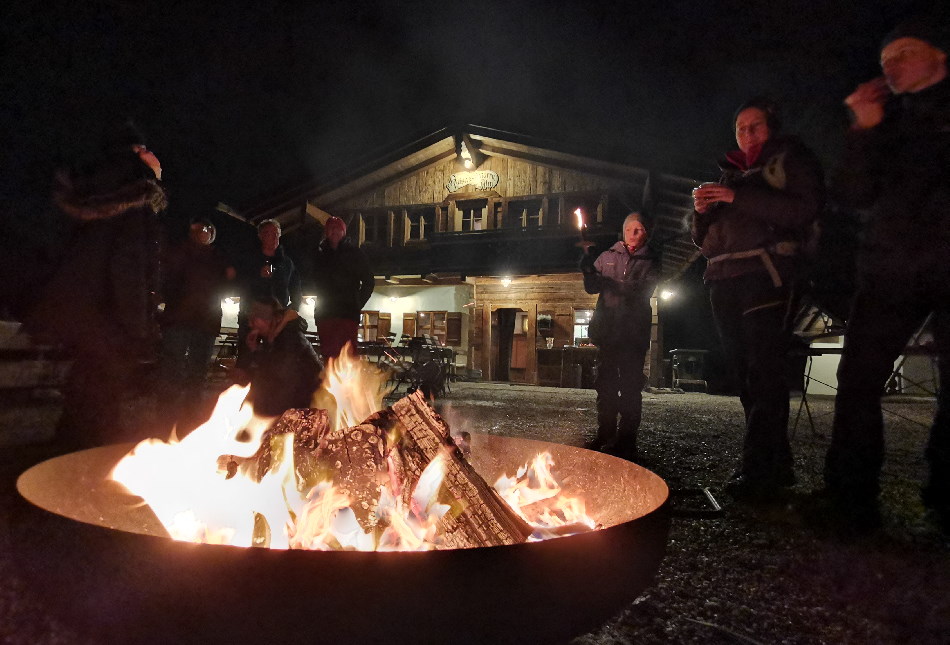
(932, 31)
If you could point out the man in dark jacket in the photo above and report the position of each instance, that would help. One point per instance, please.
(751, 227)
(268, 273)
(194, 276)
(343, 282)
(283, 367)
(101, 302)
(895, 164)
(625, 276)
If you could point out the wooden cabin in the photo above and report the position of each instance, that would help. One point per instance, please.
(472, 234)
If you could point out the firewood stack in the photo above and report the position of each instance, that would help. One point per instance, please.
(394, 445)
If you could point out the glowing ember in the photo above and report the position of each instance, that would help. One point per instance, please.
(207, 487)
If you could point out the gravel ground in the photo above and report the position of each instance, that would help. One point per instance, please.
(754, 574)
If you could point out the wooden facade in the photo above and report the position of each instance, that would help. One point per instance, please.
(494, 213)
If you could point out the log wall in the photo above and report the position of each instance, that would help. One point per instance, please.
(556, 295)
(516, 178)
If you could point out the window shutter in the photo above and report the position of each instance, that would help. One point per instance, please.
(409, 325)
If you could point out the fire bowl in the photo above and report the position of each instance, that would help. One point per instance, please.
(104, 565)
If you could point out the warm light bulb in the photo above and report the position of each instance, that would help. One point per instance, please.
(666, 294)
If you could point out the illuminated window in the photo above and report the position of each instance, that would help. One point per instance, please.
(369, 326)
(582, 326)
(433, 324)
(374, 326)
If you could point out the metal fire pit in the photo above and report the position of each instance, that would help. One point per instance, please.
(103, 565)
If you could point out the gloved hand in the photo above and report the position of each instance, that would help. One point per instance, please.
(587, 264)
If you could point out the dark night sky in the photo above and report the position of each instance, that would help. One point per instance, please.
(238, 99)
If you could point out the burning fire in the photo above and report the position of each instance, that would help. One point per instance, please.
(534, 483)
(205, 488)
(580, 219)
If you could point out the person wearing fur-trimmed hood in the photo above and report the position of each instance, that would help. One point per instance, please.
(101, 302)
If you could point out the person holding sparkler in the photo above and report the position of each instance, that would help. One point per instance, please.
(625, 276)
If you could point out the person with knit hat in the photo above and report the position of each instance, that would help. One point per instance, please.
(343, 282)
(895, 166)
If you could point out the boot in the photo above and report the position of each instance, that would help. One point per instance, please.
(627, 442)
(606, 433)
(627, 448)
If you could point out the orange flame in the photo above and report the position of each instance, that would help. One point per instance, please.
(534, 484)
(352, 390)
(580, 218)
(198, 501)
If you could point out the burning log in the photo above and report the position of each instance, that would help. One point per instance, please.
(393, 446)
(398, 444)
(354, 459)
(481, 518)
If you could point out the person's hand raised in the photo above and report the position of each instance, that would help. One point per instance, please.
(867, 103)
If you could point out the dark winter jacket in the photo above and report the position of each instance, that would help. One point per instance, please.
(194, 278)
(343, 280)
(900, 171)
(625, 283)
(105, 288)
(777, 201)
(285, 371)
(283, 283)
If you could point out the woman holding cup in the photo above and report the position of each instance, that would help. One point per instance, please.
(751, 226)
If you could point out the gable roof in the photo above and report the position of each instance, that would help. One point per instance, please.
(666, 195)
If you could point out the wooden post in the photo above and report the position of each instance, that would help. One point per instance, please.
(361, 235)
(390, 227)
(655, 373)
(486, 342)
(532, 363)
